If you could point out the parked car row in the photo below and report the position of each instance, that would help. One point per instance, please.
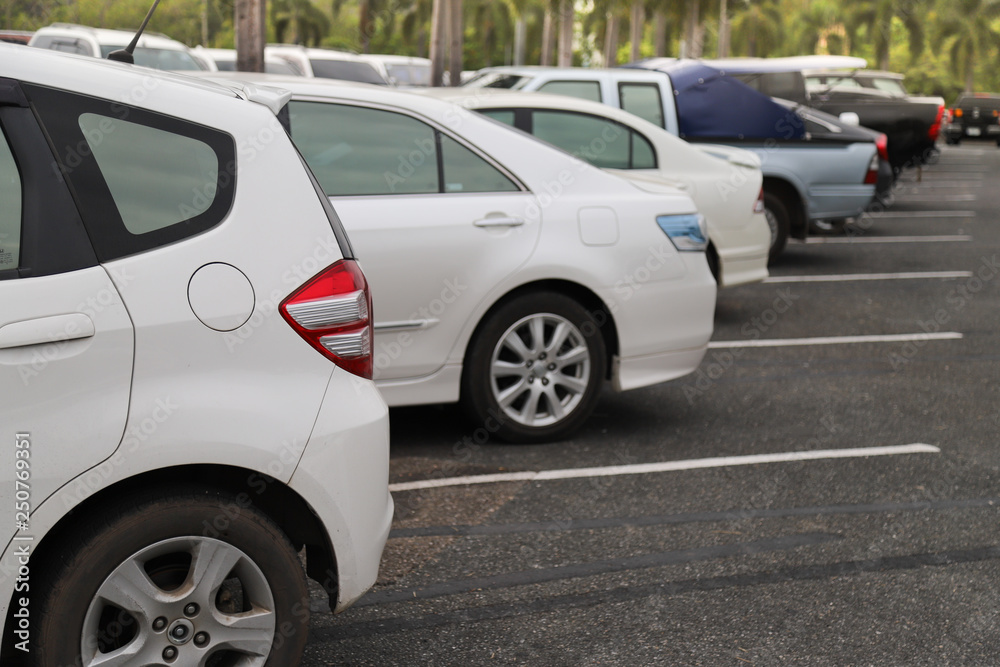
(815, 167)
(189, 339)
(213, 297)
(161, 52)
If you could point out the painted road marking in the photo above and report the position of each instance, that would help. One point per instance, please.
(667, 466)
(918, 198)
(923, 214)
(836, 340)
(842, 240)
(850, 277)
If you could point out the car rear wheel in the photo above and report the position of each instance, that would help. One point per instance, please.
(534, 371)
(193, 579)
(780, 222)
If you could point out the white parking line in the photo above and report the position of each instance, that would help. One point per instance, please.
(931, 185)
(844, 240)
(835, 340)
(850, 277)
(923, 214)
(933, 199)
(666, 466)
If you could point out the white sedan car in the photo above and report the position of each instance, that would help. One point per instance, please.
(724, 182)
(186, 403)
(507, 274)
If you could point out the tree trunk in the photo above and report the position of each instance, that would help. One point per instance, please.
(698, 43)
(566, 16)
(520, 40)
(636, 21)
(548, 37)
(438, 13)
(251, 34)
(611, 40)
(723, 28)
(970, 74)
(456, 30)
(660, 33)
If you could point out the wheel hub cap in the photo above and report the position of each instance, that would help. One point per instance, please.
(180, 632)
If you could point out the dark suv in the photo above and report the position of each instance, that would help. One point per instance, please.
(975, 115)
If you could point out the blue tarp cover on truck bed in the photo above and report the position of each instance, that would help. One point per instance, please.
(712, 104)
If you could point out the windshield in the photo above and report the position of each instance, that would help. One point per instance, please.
(496, 80)
(168, 59)
(410, 75)
(346, 70)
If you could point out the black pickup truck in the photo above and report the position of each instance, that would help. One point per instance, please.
(975, 116)
(912, 124)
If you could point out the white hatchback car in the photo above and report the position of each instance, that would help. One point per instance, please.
(328, 63)
(724, 182)
(509, 275)
(186, 402)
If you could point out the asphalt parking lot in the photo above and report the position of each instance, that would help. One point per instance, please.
(823, 491)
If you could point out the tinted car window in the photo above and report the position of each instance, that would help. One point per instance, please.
(464, 171)
(185, 173)
(346, 70)
(151, 194)
(643, 155)
(584, 90)
(359, 151)
(596, 140)
(10, 208)
(505, 116)
(643, 100)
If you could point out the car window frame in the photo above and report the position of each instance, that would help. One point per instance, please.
(53, 239)
(59, 112)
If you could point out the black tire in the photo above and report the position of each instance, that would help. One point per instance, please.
(163, 537)
(952, 142)
(780, 222)
(546, 371)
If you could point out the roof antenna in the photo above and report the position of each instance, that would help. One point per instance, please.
(125, 55)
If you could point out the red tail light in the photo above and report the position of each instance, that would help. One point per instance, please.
(882, 143)
(871, 178)
(935, 129)
(758, 206)
(332, 312)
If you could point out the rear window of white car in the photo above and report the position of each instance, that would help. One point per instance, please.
(141, 179)
(152, 192)
(10, 208)
(364, 151)
(599, 141)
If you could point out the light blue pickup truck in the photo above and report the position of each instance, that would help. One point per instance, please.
(830, 176)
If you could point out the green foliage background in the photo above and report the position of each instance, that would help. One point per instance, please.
(941, 45)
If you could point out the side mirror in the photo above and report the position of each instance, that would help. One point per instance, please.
(850, 118)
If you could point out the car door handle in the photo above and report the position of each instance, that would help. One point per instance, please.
(499, 221)
(55, 329)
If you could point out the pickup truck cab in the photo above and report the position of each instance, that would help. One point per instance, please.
(974, 116)
(804, 180)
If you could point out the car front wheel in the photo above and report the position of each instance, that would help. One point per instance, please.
(534, 371)
(195, 579)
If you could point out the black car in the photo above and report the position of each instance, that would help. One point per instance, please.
(974, 116)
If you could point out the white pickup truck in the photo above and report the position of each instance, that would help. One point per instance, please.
(806, 178)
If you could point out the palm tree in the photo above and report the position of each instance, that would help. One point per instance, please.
(299, 22)
(878, 18)
(967, 30)
(756, 28)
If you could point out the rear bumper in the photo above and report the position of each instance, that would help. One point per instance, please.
(972, 131)
(839, 201)
(344, 476)
(743, 253)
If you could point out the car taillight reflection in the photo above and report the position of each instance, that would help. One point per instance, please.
(332, 312)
